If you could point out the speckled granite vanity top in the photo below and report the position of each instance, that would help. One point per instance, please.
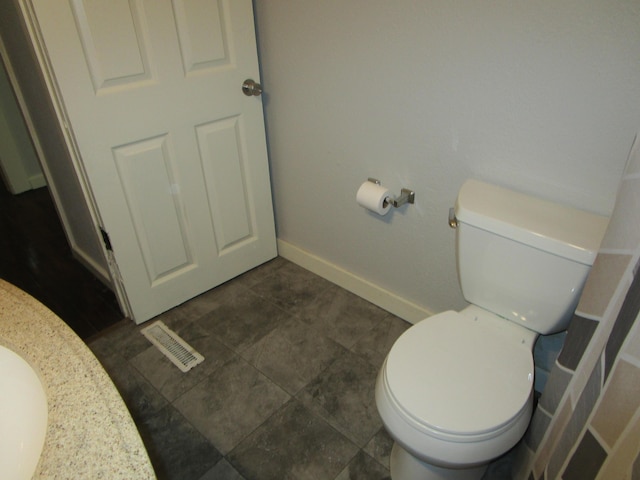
(90, 433)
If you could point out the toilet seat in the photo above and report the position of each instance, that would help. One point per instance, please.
(453, 375)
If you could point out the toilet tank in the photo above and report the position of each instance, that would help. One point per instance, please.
(523, 258)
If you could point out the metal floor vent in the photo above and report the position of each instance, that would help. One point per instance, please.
(172, 346)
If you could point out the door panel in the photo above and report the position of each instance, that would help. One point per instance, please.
(223, 165)
(201, 31)
(173, 152)
(114, 38)
(146, 170)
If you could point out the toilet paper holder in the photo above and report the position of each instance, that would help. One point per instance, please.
(406, 195)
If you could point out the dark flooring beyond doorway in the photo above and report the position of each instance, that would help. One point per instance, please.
(35, 256)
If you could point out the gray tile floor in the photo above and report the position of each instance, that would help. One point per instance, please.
(286, 390)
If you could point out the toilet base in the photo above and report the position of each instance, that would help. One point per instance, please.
(405, 466)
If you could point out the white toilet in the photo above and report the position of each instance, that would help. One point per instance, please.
(456, 389)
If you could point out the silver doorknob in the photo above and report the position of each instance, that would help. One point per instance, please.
(251, 88)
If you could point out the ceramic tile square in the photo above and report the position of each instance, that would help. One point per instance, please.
(168, 378)
(258, 274)
(123, 337)
(579, 335)
(101, 344)
(141, 398)
(627, 315)
(604, 277)
(293, 354)
(554, 390)
(560, 420)
(379, 447)
(293, 444)
(222, 471)
(231, 403)
(341, 315)
(586, 460)
(291, 287)
(363, 467)
(522, 462)
(103, 348)
(620, 462)
(537, 429)
(623, 234)
(590, 394)
(344, 395)
(375, 344)
(502, 468)
(243, 320)
(176, 449)
(182, 315)
(633, 343)
(581, 412)
(619, 403)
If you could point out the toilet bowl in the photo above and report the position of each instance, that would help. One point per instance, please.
(456, 389)
(436, 391)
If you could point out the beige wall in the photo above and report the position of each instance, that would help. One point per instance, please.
(542, 97)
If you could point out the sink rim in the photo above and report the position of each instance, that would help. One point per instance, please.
(23, 398)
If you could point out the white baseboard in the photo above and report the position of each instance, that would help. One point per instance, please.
(375, 294)
(97, 270)
(37, 181)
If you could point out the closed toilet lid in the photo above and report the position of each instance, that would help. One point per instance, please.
(454, 374)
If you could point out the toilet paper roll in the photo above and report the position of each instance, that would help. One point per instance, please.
(372, 197)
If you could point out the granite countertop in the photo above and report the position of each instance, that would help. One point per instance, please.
(90, 433)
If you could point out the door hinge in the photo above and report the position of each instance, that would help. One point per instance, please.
(106, 239)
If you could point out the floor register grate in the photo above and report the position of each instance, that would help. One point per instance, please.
(183, 355)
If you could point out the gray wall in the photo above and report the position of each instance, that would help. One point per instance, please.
(542, 97)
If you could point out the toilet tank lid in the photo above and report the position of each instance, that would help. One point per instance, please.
(564, 231)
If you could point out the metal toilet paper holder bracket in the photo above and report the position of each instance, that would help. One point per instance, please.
(406, 195)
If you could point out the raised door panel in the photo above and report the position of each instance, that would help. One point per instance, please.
(148, 177)
(114, 38)
(202, 27)
(223, 163)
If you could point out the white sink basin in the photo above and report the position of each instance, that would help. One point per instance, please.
(23, 417)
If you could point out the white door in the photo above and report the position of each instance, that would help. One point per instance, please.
(173, 151)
